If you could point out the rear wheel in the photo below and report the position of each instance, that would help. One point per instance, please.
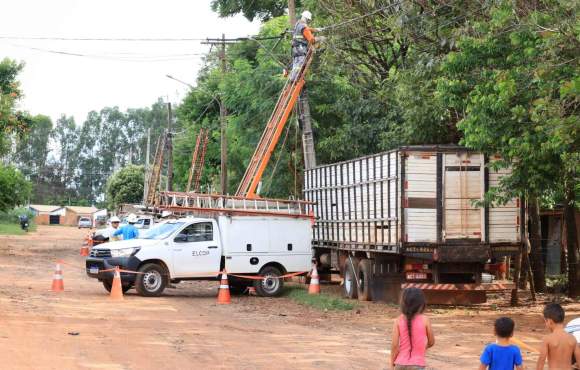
(271, 285)
(350, 281)
(364, 280)
(151, 281)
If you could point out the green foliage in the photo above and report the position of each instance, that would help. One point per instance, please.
(14, 188)
(323, 302)
(262, 9)
(12, 215)
(513, 85)
(12, 121)
(125, 186)
(13, 229)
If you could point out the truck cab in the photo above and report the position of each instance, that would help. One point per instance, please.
(199, 248)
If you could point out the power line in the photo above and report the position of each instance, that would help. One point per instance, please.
(143, 58)
(126, 39)
(340, 24)
(99, 39)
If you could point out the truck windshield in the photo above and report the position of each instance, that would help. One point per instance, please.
(162, 231)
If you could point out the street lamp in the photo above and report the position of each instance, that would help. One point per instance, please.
(180, 81)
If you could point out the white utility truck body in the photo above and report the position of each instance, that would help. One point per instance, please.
(199, 248)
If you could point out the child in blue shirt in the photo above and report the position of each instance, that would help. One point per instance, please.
(502, 355)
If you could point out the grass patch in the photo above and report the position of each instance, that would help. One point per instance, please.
(14, 229)
(321, 301)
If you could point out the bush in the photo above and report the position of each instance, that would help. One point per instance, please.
(11, 216)
(14, 188)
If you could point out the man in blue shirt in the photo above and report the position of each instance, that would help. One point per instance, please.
(128, 231)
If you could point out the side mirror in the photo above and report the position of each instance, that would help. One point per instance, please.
(181, 238)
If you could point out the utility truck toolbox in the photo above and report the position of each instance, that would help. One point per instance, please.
(199, 248)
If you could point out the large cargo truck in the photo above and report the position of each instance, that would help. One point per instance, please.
(412, 217)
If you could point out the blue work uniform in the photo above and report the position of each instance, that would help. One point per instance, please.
(128, 231)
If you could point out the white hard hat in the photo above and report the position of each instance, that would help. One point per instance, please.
(306, 15)
(132, 218)
(115, 219)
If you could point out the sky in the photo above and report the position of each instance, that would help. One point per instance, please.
(127, 74)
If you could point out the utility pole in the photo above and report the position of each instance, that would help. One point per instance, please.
(147, 155)
(222, 42)
(292, 13)
(304, 118)
(223, 126)
(169, 149)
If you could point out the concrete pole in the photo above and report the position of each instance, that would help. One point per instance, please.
(169, 149)
(223, 126)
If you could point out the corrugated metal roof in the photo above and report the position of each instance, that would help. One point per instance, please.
(43, 207)
(83, 210)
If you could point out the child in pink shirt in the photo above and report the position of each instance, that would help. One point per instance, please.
(412, 333)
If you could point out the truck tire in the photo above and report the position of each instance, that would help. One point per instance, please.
(364, 275)
(109, 285)
(151, 281)
(349, 283)
(269, 287)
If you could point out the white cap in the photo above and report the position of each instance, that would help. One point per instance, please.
(114, 219)
(132, 218)
(307, 15)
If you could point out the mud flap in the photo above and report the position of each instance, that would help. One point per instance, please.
(386, 288)
(460, 297)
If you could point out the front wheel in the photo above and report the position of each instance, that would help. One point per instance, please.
(151, 281)
(272, 285)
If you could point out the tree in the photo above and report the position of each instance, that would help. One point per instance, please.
(12, 121)
(32, 149)
(14, 188)
(262, 9)
(125, 186)
(512, 84)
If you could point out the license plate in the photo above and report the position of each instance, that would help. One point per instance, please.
(416, 276)
(94, 270)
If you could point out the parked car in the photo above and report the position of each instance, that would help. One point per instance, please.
(85, 222)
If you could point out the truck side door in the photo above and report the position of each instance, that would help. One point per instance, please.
(196, 250)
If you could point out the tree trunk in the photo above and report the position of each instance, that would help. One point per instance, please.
(535, 235)
(517, 269)
(523, 280)
(572, 242)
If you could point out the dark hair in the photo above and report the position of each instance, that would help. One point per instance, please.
(504, 327)
(412, 303)
(555, 312)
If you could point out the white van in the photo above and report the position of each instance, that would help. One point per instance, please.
(199, 248)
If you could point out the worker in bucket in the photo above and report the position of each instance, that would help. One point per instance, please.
(302, 37)
(128, 231)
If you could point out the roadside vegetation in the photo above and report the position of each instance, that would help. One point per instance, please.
(321, 301)
(10, 223)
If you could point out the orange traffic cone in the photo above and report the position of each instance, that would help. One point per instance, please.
(314, 287)
(116, 289)
(224, 290)
(252, 290)
(84, 251)
(57, 281)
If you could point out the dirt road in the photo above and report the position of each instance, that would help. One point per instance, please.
(186, 329)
